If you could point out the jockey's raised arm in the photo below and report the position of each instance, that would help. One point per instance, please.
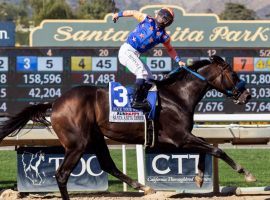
(130, 13)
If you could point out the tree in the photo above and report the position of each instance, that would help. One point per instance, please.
(8, 12)
(58, 10)
(51, 9)
(95, 9)
(23, 13)
(234, 11)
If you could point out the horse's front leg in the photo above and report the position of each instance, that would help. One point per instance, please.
(201, 168)
(197, 144)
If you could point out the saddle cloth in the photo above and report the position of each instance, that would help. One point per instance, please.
(120, 98)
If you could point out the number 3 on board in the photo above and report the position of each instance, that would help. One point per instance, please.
(26, 63)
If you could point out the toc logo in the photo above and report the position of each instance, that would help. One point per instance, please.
(7, 34)
(84, 164)
(37, 167)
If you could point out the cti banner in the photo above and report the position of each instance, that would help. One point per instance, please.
(176, 171)
(7, 34)
(188, 30)
(37, 167)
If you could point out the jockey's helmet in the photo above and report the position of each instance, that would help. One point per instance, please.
(165, 17)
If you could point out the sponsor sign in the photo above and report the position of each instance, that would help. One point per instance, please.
(176, 171)
(37, 167)
(7, 34)
(188, 30)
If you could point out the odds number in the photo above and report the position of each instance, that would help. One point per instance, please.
(159, 63)
(50, 64)
(104, 64)
(211, 52)
(103, 52)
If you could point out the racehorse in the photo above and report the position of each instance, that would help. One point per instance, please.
(80, 118)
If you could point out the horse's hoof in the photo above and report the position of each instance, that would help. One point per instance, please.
(148, 190)
(250, 178)
(198, 181)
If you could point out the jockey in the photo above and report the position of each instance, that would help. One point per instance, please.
(148, 33)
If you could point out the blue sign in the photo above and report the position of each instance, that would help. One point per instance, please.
(176, 171)
(7, 34)
(27, 63)
(37, 167)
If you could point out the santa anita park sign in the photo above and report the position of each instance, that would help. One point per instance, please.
(188, 30)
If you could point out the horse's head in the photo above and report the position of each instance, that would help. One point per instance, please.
(222, 78)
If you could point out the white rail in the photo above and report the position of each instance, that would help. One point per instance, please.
(231, 117)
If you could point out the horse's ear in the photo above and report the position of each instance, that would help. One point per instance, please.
(216, 59)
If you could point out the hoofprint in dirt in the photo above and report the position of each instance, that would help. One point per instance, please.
(14, 195)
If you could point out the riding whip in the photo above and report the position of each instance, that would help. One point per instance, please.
(114, 10)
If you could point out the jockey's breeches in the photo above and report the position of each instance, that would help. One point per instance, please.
(130, 58)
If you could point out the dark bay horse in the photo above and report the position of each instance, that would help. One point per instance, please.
(80, 118)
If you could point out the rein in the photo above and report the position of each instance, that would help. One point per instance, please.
(234, 92)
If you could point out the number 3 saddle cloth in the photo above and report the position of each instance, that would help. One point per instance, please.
(120, 98)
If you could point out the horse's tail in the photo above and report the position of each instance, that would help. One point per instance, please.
(36, 113)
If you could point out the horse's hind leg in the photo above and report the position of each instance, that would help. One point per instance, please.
(72, 156)
(198, 144)
(107, 164)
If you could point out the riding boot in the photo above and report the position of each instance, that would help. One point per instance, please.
(139, 99)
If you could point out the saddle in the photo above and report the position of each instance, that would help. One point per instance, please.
(120, 98)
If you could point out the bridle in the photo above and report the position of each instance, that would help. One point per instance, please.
(237, 89)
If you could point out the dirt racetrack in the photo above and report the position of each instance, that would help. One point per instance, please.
(13, 195)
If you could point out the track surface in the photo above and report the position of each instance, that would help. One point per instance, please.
(13, 195)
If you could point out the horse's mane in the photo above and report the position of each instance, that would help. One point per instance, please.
(183, 74)
(199, 64)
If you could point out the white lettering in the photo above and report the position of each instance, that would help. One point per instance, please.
(154, 164)
(85, 166)
(89, 170)
(83, 169)
(196, 157)
(57, 161)
(180, 162)
(3, 35)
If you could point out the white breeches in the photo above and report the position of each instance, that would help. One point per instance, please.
(129, 57)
